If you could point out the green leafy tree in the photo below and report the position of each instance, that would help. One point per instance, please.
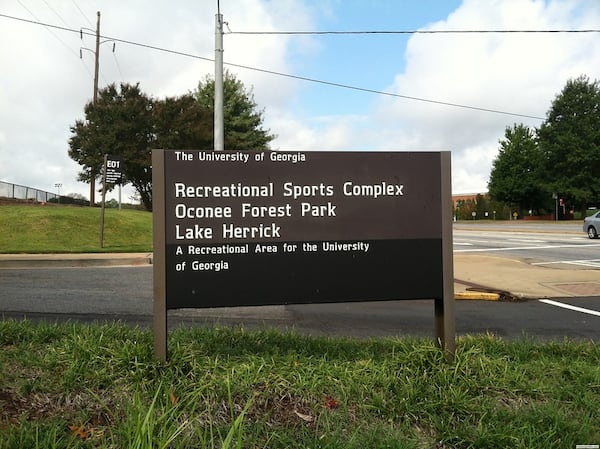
(484, 208)
(120, 123)
(464, 209)
(126, 122)
(570, 141)
(182, 123)
(243, 122)
(516, 176)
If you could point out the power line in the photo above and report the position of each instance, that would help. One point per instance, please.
(117, 64)
(47, 26)
(389, 94)
(55, 12)
(90, 33)
(286, 75)
(87, 69)
(320, 33)
(67, 25)
(82, 13)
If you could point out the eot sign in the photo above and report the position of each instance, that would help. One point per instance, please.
(114, 169)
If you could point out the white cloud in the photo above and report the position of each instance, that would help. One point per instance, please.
(515, 73)
(518, 73)
(320, 133)
(44, 85)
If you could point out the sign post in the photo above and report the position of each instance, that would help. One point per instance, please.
(444, 306)
(159, 273)
(256, 228)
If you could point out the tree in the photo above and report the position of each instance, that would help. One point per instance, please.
(182, 123)
(570, 142)
(128, 123)
(78, 197)
(464, 209)
(120, 123)
(483, 207)
(516, 172)
(243, 122)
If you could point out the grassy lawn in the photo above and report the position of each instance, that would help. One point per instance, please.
(98, 386)
(67, 229)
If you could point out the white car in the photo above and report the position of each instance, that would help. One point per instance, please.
(591, 225)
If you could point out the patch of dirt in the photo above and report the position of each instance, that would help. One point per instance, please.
(40, 406)
(580, 288)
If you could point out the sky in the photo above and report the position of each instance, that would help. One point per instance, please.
(401, 90)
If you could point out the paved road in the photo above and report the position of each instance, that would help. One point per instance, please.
(534, 319)
(126, 294)
(537, 248)
(492, 226)
(73, 291)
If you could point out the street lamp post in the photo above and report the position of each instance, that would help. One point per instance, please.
(58, 185)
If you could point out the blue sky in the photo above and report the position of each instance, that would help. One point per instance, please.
(368, 61)
(44, 84)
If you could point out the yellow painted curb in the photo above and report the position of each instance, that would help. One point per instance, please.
(482, 296)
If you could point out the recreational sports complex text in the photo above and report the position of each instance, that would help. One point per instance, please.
(303, 201)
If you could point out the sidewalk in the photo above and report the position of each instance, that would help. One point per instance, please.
(475, 275)
(523, 280)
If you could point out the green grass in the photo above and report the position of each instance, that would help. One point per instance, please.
(230, 388)
(64, 229)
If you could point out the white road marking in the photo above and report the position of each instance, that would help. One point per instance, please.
(527, 241)
(519, 248)
(570, 307)
(595, 263)
(486, 242)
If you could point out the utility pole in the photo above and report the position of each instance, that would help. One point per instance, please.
(94, 100)
(95, 96)
(219, 132)
(97, 59)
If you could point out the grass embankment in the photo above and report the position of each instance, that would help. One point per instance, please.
(78, 386)
(64, 229)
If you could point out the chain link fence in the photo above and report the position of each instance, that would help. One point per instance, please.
(19, 192)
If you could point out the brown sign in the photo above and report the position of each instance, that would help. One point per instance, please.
(255, 228)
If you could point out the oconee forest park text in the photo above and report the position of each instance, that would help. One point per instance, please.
(247, 210)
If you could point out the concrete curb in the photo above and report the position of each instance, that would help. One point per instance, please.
(478, 296)
(74, 260)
